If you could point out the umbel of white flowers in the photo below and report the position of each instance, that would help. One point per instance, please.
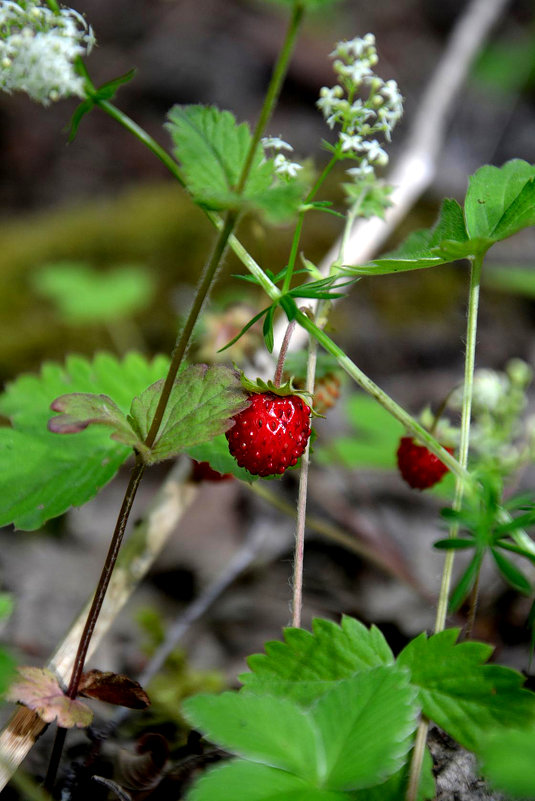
(38, 49)
(362, 104)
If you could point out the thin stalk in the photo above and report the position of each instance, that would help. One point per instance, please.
(474, 598)
(469, 364)
(282, 354)
(297, 599)
(442, 607)
(300, 222)
(92, 617)
(182, 343)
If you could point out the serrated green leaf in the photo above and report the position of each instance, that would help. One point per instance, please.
(84, 295)
(495, 203)
(462, 695)
(372, 714)
(395, 788)
(201, 406)
(511, 572)
(265, 729)
(217, 454)
(227, 782)
(78, 410)
(307, 664)
(212, 149)
(446, 241)
(43, 474)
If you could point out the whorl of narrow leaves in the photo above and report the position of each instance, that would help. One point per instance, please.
(39, 690)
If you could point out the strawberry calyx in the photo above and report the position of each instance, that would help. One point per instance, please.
(283, 390)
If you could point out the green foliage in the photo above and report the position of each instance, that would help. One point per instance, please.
(212, 150)
(462, 695)
(484, 529)
(84, 295)
(507, 759)
(319, 743)
(42, 474)
(202, 402)
(94, 95)
(499, 202)
(217, 454)
(307, 664)
(373, 441)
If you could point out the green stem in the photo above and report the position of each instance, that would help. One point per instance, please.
(183, 341)
(442, 607)
(274, 88)
(299, 227)
(469, 364)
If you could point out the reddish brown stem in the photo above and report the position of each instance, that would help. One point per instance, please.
(282, 355)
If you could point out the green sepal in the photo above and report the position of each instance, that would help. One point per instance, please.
(260, 386)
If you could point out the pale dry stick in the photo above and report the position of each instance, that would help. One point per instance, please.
(416, 166)
(144, 544)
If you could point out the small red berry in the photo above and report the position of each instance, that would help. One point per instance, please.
(419, 467)
(271, 434)
(201, 471)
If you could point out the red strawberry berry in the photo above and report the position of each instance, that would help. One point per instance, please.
(201, 471)
(271, 434)
(419, 467)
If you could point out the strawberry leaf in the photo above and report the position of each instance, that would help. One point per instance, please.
(226, 782)
(202, 403)
(306, 665)
(81, 409)
(39, 690)
(508, 757)
(41, 474)
(371, 714)
(462, 695)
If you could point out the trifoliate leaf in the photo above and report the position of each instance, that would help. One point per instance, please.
(202, 403)
(43, 474)
(306, 665)
(39, 690)
(500, 200)
(508, 757)
(212, 149)
(462, 695)
(371, 714)
(84, 295)
(226, 782)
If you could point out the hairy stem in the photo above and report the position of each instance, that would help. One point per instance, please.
(442, 608)
(94, 611)
(297, 599)
(282, 354)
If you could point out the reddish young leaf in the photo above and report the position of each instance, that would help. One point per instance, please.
(113, 688)
(39, 690)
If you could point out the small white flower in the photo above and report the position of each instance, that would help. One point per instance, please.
(351, 143)
(276, 143)
(38, 49)
(329, 99)
(375, 153)
(364, 169)
(285, 168)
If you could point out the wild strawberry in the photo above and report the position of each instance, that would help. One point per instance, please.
(201, 471)
(419, 467)
(271, 434)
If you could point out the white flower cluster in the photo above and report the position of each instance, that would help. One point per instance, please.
(283, 166)
(38, 48)
(358, 118)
